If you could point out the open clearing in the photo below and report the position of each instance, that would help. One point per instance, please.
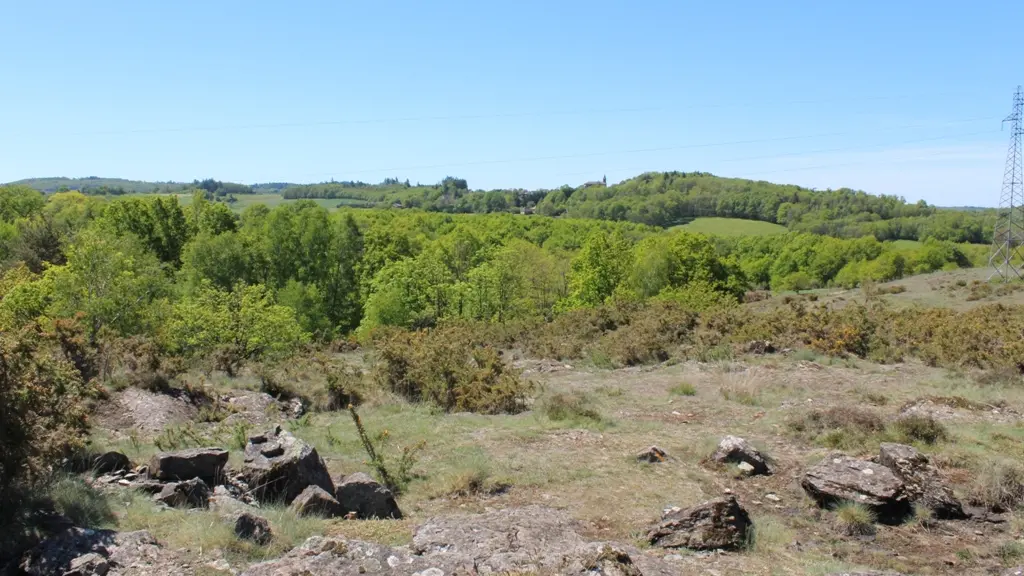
(585, 464)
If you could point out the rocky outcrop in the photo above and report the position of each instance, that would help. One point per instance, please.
(718, 524)
(366, 498)
(736, 450)
(82, 552)
(314, 500)
(206, 464)
(279, 466)
(252, 527)
(522, 540)
(110, 462)
(652, 455)
(192, 493)
(922, 481)
(840, 478)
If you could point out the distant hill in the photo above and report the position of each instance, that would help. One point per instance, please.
(118, 186)
(95, 184)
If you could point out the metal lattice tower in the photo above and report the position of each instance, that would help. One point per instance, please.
(1009, 231)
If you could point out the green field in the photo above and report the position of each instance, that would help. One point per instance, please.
(245, 200)
(731, 227)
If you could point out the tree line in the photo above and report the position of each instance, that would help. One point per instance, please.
(201, 280)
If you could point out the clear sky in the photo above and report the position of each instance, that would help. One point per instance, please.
(898, 97)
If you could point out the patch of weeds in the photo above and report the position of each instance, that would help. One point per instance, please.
(683, 389)
(805, 355)
(215, 411)
(576, 408)
(610, 391)
(473, 478)
(299, 423)
(918, 428)
(601, 359)
(179, 437)
(840, 427)
(873, 398)
(718, 353)
(768, 535)
(394, 472)
(240, 435)
(740, 395)
(999, 486)
(1010, 553)
(81, 503)
(854, 519)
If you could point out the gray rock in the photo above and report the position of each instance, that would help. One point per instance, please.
(923, 483)
(735, 450)
(279, 466)
(652, 455)
(839, 479)
(83, 552)
(251, 527)
(110, 462)
(530, 540)
(718, 524)
(366, 497)
(192, 493)
(314, 500)
(88, 565)
(204, 463)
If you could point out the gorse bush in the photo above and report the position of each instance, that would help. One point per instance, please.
(450, 368)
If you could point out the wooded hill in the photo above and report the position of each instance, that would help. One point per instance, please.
(658, 199)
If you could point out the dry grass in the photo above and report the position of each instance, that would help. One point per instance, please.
(855, 519)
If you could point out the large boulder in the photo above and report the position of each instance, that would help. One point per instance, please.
(923, 483)
(314, 500)
(736, 450)
(839, 479)
(530, 540)
(110, 462)
(279, 466)
(718, 524)
(206, 464)
(367, 498)
(192, 493)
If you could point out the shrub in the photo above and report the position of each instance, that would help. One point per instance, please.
(575, 407)
(855, 519)
(683, 389)
(394, 472)
(841, 427)
(999, 486)
(919, 428)
(81, 503)
(450, 369)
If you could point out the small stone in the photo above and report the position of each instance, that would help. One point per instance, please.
(652, 455)
(733, 449)
(219, 565)
(772, 497)
(123, 482)
(746, 468)
(251, 527)
(192, 493)
(316, 500)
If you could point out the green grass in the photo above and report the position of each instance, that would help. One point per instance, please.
(731, 227)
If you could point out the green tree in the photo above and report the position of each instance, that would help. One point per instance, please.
(597, 270)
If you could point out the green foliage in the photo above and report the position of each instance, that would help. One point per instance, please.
(17, 201)
(395, 474)
(683, 389)
(576, 408)
(110, 279)
(596, 271)
(919, 428)
(42, 404)
(855, 519)
(449, 368)
(240, 325)
(80, 502)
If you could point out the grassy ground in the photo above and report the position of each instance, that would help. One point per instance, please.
(583, 461)
(731, 227)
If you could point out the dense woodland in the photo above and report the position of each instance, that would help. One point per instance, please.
(200, 278)
(656, 199)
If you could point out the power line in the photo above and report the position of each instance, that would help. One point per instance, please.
(500, 115)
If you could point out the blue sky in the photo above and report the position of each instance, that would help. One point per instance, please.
(891, 97)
